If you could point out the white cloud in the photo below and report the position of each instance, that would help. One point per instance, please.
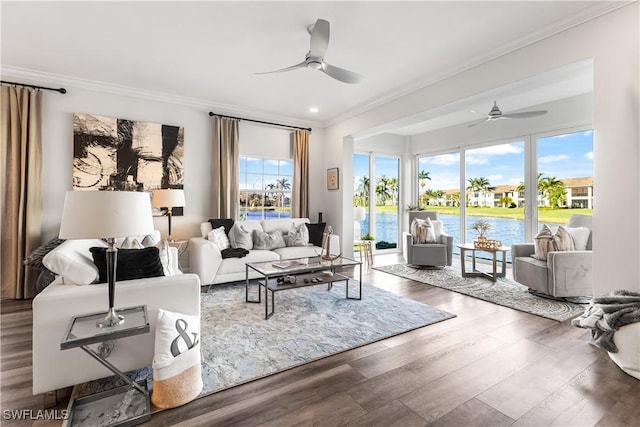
(482, 156)
(443, 159)
(495, 179)
(589, 155)
(553, 158)
(588, 133)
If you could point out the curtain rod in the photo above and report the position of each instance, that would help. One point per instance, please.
(61, 90)
(259, 121)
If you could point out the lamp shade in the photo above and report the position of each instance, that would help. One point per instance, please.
(105, 214)
(359, 213)
(168, 198)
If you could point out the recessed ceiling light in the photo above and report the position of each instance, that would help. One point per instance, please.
(313, 110)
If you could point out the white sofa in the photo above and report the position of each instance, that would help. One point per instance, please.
(205, 259)
(54, 307)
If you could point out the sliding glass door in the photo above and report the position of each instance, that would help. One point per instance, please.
(387, 172)
(376, 202)
(494, 179)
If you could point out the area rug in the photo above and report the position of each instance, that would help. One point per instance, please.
(238, 345)
(504, 292)
(310, 323)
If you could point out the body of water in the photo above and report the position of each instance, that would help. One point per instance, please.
(507, 230)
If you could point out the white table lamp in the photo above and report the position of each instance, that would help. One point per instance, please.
(359, 214)
(106, 215)
(168, 198)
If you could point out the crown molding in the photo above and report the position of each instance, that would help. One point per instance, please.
(25, 75)
(513, 46)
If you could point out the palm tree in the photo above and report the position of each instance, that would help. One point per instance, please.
(382, 190)
(363, 190)
(393, 188)
(479, 185)
(422, 176)
(553, 190)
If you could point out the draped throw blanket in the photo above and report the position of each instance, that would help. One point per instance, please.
(224, 168)
(21, 170)
(606, 314)
(300, 190)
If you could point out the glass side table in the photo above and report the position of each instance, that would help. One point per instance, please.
(123, 406)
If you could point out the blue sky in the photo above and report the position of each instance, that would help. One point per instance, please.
(563, 156)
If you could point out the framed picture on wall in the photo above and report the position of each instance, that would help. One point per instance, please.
(333, 182)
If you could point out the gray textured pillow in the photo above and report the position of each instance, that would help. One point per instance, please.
(268, 241)
(543, 243)
(239, 237)
(562, 240)
(297, 236)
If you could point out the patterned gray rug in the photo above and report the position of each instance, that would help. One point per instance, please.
(504, 292)
(239, 345)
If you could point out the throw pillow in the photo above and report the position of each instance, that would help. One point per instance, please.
(219, 238)
(34, 260)
(177, 377)
(580, 237)
(240, 238)
(131, 263)
(268, 241)
(562, 240)
(227, 223)
(543, 243)
(169, 261)
(130, 243)
(72, 260)
(297, 236)
(316, 231)
(423, 231)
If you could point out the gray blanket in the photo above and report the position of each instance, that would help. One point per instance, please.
(606, 314)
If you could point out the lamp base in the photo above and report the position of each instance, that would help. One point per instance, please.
(112, 319)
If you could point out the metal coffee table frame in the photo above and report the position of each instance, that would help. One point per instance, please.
(301, 268)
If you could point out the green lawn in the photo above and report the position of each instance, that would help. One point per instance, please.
(558, 216)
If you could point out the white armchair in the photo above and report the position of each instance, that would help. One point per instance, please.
(563, 274)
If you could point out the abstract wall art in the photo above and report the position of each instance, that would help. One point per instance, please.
(120, 154)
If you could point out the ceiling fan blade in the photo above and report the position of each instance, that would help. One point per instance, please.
(303, 64)
(524, 115)
(341, 74)
(319, 39)
(477, 123)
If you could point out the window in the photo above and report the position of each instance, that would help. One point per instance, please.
(265, 188)
(565, 174)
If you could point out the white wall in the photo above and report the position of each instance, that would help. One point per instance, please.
(255, 139)
(612, 41)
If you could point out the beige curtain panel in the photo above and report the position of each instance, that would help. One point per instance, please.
(300, 191)
(225, 168)
(20, 216)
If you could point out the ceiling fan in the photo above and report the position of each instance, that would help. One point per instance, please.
(315, 57)
(496, 114)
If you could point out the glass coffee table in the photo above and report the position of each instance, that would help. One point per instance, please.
(305, 271)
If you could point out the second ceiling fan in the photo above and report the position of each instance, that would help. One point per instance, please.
(314, 59)
(496, 114)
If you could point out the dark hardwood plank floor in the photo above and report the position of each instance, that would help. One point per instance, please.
(489, 366)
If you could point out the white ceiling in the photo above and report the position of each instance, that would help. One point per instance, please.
(208, 52)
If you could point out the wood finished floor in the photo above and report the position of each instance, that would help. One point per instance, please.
(489, 366)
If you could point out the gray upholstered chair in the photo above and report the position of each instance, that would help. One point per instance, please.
(563, 274)
(428, 254)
